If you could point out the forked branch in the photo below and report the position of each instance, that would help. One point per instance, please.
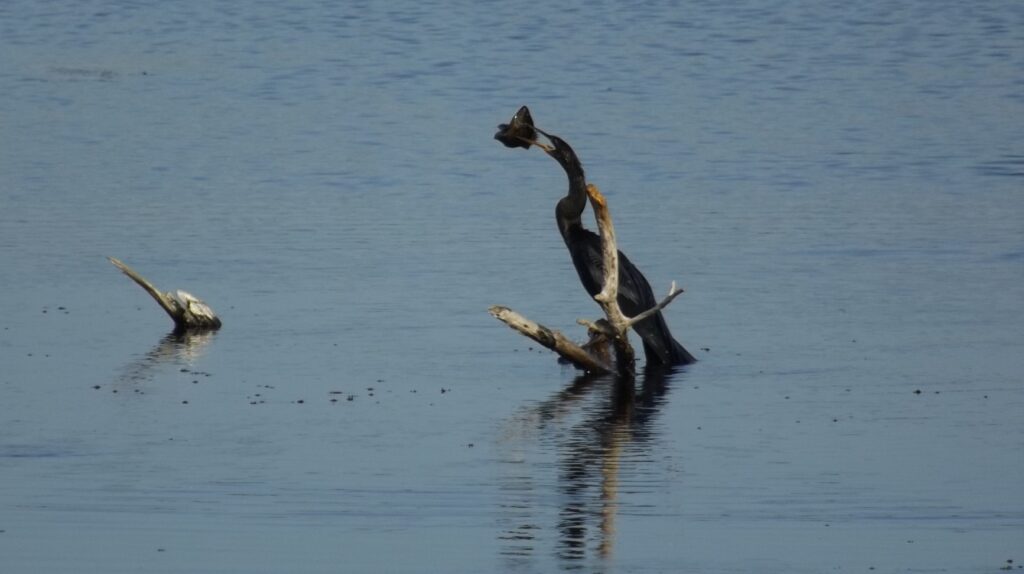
(615, 329)
(673, 292)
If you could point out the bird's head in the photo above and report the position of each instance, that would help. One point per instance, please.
(519, 131)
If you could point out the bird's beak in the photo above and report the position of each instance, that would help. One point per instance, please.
(511, 137)
(526, 142)
(547, 147)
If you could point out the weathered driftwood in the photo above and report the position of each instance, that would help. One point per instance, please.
(608, 298)
(188, 312)
(593, 356)
(552, 339)
(609, 295)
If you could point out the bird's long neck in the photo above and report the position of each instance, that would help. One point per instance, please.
(569, 210)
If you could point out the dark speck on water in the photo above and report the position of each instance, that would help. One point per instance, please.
(834, 184)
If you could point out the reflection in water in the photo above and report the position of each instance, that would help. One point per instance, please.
(175, 347)
(588, 426)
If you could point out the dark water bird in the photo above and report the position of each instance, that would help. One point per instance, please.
(635, 294)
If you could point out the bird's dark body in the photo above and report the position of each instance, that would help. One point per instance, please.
(635, 295)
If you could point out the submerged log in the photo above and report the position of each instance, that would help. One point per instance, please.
(188, 312)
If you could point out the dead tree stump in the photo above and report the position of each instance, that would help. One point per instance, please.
(188, 312)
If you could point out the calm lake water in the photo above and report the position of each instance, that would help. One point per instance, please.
(839, 187)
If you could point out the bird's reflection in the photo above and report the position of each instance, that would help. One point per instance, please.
(588, 426)
(178, 347)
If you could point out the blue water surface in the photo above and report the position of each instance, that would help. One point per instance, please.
(837, 186)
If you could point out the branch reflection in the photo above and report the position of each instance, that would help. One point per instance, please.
(592, 429)
(183, 348)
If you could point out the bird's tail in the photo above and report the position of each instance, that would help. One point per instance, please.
(659, 346)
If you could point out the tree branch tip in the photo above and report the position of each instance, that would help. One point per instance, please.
(598, 326)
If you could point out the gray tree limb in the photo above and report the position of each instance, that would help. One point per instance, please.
(551, 339)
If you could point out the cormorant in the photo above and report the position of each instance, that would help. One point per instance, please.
(635, 295)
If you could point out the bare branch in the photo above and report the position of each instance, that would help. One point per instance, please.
(167, 303)
(599, 326)
(609, 251)
(615, 329)
(673, 292)
(608, 298)
(551, 339)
